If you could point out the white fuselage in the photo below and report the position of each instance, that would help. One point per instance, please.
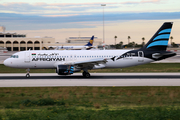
(71, 47)
(49, 59)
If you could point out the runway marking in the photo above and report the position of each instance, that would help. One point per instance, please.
(97, 79)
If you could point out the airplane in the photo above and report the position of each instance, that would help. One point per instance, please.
(67, 62)
(88, 46)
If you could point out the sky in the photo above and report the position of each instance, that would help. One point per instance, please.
(72, 18)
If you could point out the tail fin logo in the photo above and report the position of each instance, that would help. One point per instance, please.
(91, 41)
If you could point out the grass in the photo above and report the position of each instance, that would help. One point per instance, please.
(90, 103)
(151, 67)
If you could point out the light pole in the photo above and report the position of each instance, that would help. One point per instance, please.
(103, 21)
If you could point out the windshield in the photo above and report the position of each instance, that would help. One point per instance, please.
(14, 56)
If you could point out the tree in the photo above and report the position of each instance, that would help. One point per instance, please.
(133, 44)
(143, 41)
(115, 39)
(121, 44)
(129, 39)
(171, 39)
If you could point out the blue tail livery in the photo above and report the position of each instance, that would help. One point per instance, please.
(155, 49)
(90, 43)
(160, 39)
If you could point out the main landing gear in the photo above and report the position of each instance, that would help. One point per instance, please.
(27, 74)
(86, 74)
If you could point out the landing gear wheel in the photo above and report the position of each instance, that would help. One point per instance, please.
(86, 74)
(27, 75)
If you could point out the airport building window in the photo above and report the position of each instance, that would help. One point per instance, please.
(22, 48)
(8, 48)
(8, 42)
(36, 42)
(15, 42)
(15, 48)
(36, 48)
(22, 42)
(8, 35)
(29, 42)
(29, 48)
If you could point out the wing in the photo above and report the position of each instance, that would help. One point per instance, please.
(90, 64)
(87, 64)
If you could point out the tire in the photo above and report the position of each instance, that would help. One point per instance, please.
(27, 75)
(86, 74)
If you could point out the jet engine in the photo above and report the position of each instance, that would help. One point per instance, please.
(65, 69)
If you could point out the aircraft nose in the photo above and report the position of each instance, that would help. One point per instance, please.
(6, 62)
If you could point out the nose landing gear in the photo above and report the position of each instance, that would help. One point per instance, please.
(27, 74)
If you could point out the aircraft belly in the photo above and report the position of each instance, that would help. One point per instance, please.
(38, 65)
(121, 63)
(43, 65)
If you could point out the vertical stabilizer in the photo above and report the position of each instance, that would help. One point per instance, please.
(160, 39)
(90, 43)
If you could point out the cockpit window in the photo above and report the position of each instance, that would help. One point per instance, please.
(14, 56)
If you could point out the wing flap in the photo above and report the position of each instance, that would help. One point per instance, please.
(89, 64)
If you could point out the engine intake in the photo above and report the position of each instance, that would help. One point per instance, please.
(65, 69)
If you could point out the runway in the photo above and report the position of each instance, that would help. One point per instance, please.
(97, 79)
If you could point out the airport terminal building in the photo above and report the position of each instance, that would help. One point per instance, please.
(19, 42)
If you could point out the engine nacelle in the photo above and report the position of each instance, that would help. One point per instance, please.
(65, 69)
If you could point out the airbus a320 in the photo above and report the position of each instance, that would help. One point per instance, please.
(67, 62)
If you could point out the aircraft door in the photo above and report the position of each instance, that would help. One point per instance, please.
(140, 56)
(27, 57)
